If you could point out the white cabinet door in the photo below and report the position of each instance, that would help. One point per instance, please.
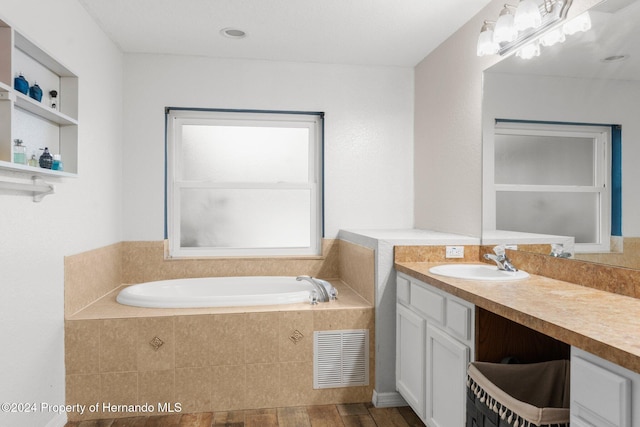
(447, 361)
(599, 397)
(410, 352)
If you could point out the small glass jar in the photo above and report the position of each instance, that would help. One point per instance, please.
(19, 152)
(57, 164)
(33, 161)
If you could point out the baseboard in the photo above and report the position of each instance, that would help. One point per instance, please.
(387, 400)
(58, 421)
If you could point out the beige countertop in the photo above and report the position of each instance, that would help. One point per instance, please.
(603, 323)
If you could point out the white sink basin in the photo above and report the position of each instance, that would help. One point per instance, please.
(477, 272)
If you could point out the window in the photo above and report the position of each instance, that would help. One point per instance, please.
(243, 183)
(553, 179)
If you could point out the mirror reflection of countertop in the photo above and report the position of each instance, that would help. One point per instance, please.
(600, 322)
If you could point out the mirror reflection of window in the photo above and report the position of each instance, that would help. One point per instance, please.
(554, 179)
(244, 183)
(544, 160)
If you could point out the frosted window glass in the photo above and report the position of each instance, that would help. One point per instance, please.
(544, 160)
(245, 218)
(564, 214)
(244, 154)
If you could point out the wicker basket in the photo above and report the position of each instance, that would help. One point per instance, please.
(526, 395)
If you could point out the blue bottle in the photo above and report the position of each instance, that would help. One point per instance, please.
(21, 84)
(35, 92)
(57, 164)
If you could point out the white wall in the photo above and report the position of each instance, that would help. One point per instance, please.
(84, 213)
(448, 142)
(368, 130)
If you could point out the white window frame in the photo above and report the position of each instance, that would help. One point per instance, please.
(602, 175)
(177, 117)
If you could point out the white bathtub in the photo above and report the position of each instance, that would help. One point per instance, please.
(216, 292)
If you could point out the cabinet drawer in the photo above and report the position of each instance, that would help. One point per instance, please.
(404, 290)
(431, 304)
(459, 319)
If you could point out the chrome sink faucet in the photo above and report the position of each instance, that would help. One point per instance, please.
(500, 258)
(558, 251)
(324, 291)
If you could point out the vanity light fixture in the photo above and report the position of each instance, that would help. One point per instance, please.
(536, 23)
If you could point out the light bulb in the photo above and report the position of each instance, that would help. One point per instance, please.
(529, 51)
(504, 31)
(579, 23)
(527, 15)
(552, 37)
(486, 45)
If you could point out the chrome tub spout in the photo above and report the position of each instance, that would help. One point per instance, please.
(324, 291)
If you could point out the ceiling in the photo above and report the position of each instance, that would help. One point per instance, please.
(361, 32)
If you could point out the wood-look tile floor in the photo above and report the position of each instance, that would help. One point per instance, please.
(348, 415)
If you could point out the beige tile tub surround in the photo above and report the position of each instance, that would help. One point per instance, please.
(207, 362)
(93, 274)
(207, 359)
(357, 268)
(145, 262)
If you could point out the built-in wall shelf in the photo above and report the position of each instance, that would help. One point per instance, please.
(37, 123)
(39, 109)
(37, 171)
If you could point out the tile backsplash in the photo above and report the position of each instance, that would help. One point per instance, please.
(91, 275)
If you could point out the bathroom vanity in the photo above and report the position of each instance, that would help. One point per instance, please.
(443, 323)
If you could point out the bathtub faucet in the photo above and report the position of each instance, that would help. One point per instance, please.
(323, 290)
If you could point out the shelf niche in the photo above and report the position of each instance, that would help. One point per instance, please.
(36, 123)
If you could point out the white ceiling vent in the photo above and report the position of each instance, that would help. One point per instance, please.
(340, 358)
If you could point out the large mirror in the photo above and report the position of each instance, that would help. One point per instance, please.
(561, 135)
